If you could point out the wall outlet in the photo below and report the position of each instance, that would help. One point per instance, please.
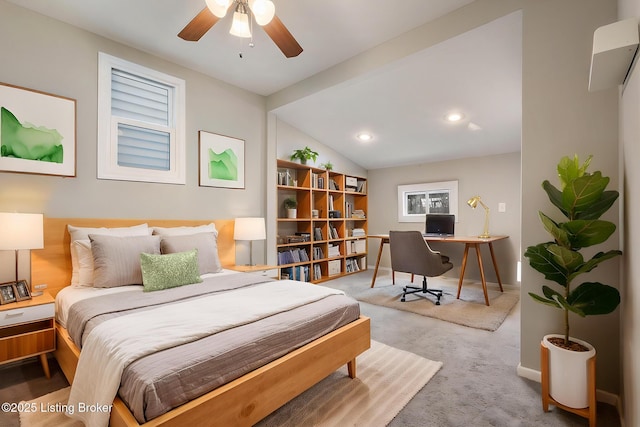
(41, 286)
(502, 207)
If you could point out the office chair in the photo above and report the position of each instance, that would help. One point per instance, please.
(410, 253)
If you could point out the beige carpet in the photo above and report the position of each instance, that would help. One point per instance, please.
(470, 310)
(387, 378)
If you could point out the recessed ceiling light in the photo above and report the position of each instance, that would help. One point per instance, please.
(364, 137)
(454, 117)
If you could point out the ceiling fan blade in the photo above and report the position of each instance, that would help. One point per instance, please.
(282, 38)
(198, 26)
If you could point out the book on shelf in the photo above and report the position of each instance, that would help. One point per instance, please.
(298, 272)
(334, 251)
(292, 256)
(358, 214)
(317, 272)
(351, 183)
(357, 232)
(317, 180)
(334, 267)
(318, 253)
(357, 246)
(317, 234)
(333, 232)
(362, 186)
(333, 185)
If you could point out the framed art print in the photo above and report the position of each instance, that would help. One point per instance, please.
(37, 132)
(21, 290)
(221, 160)
(7, 293)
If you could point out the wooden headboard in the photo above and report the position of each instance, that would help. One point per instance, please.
(52, 265)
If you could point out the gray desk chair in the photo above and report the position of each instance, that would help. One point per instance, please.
(410, 253)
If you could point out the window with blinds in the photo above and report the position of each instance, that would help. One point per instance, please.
(140, 124)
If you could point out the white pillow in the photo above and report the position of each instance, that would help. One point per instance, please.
(82, 233)
(184, 231)
(84, 257)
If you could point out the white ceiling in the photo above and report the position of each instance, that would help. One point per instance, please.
(402, 103)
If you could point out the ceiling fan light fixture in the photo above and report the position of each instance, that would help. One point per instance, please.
(263, 10)
(218, 7)
(240, 24)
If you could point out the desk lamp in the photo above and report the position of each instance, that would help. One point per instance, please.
(249, 229)
(20, 231)
(473, 202)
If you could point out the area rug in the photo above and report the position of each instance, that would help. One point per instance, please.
(470, 310)
(387, 379)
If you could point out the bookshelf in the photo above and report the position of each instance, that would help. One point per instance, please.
(328, 237)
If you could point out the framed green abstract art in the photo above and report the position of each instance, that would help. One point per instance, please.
(37, 132)
(221, 160)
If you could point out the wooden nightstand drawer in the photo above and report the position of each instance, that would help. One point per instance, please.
(29, 343)
(26, 314)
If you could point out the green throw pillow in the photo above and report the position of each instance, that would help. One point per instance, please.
(170, 270)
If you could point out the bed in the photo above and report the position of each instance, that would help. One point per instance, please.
(241, 401)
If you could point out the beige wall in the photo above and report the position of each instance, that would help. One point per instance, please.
(57, 58)
(630, 306)
(495, 178)
(560, 117)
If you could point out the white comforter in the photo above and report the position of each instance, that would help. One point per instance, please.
(114, 344)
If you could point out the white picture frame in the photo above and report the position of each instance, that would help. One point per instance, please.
(229, 174)
(417, 200)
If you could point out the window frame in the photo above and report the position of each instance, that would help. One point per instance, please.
(107, 153)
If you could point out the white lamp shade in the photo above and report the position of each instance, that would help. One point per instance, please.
(21, 231)
(218, 7)
(263, 10)
(249, 229)
(240, 25)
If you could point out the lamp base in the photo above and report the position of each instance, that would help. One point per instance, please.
(484, 236)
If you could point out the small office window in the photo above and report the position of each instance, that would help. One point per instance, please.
(141, 122)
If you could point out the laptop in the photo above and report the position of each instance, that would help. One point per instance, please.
(439, 225)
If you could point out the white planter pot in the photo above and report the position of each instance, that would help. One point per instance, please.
(292, 213)
(568, 373)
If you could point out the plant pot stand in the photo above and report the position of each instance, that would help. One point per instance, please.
(590, 411)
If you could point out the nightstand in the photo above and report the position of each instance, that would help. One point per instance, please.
(262, 270)
(27, 328)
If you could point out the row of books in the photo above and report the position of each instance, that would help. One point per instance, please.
(356, 246)
(357, 232)
(292, 256)
(355, 264)
(299, 272)
(317, 181)
(333, 232)
(317, 272)
(318, 253)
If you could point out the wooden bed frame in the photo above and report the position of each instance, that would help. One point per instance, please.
(241, 402)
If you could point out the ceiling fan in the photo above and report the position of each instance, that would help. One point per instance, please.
(262, 10)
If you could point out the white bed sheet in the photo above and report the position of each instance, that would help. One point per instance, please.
(72, 294)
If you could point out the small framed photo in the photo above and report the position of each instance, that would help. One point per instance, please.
(7, 293)
(22, 290)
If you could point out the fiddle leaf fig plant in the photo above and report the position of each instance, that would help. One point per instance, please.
(582, 199)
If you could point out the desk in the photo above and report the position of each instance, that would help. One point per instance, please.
(469, 242)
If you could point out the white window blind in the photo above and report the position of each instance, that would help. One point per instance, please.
(142, 111)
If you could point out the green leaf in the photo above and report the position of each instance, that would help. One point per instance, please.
(570, 169)
(582, 192)
(544, 301)
(583, 233)
(555, 197)
(593, 262)
(544, 261)
(552, 228)
(592, 298)
(567, 259)
(595, 211)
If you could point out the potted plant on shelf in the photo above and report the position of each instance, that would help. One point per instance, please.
(582, 199)
(290, 205)
(304, 154)
(327, 165)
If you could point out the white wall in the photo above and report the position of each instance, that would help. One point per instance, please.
(630, 305)
(495, 178)
(47, 55)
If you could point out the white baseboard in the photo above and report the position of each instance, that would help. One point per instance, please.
(601, 395)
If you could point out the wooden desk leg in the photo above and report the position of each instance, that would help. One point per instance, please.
(495, 266)
(375, 270)
(464, 266)
(45, 365)
(481, 267)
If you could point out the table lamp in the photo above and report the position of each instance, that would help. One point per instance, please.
(249, 229)
(21, 231)
(473, 202)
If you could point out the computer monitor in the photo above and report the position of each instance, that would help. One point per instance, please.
(440, 225)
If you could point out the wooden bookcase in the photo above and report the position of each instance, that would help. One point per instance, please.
(330, 206)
